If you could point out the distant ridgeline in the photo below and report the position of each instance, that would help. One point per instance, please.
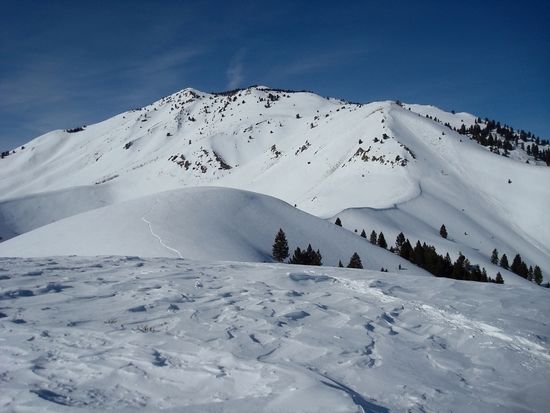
(501, 139)
(4, 154)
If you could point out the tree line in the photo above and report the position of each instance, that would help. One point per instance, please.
(518, 267)
(423, 255)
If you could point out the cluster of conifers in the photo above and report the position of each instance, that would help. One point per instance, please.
(307, 256)
(422, 255)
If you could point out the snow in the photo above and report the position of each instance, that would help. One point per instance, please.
(137, 269)
(129, 333)
(332, 158)
(204, 223)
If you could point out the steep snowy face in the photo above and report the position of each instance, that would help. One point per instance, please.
(258, 139)
(324, 155)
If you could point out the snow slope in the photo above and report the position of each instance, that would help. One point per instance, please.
(322, 155)
(130, 334)
(462, 187)
(204, 223)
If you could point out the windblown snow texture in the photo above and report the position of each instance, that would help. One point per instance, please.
(125, 333)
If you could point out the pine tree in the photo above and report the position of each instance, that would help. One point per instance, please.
(340, 264)
(530, 273)
(499, 279)
(504, 262)
(406, 250)
(311, 257)
(443, 231)
(399, 241)
(418, 254)
(382, 241)
(537, 275)
(447, 266)
(523, 270)
(459, 270)
(338, 222)
(373, 237)
(516, 264)
(363, 234)
(296, 257)
(484, 277)
(306, 257)
(494, 257)
(280, 246)
(355, 261)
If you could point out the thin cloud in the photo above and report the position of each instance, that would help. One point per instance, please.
(310, 64)
(44, 92)
(235, 71)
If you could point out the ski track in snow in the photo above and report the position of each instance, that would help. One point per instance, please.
(161, 242)
(128, 334)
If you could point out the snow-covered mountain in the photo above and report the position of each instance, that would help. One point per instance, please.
(167, 201)
(385, 166)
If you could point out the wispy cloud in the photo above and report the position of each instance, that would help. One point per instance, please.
(317, 62)
(235, 70)
(50, 91)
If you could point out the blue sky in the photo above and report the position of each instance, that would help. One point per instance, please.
(67, 63)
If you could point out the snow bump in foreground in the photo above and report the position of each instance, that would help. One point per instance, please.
(127, 333)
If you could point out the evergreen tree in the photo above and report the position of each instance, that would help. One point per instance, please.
(443, 231)
(363, 234)
(306, 257)
(340, 264)
(499, 279)
(523, 270)
(516, 264)
(530, 273)
(459, 270)
(484, 277)
(355, 261)
(280, 247)
(338, 222)
(504, 261)
(494, 257)
(382, 241)
(399, 241)
(537, 275)
(447, 266)
(311, 257)
(418, 254)
(406, 250)
(296, 257)
(373, 237)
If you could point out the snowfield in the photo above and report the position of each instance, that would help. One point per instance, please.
(203, 223)
(128, 333)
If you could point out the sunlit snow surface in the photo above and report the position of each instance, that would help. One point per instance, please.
(125, 333)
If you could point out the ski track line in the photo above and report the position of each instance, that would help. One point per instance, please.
(144, 219)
